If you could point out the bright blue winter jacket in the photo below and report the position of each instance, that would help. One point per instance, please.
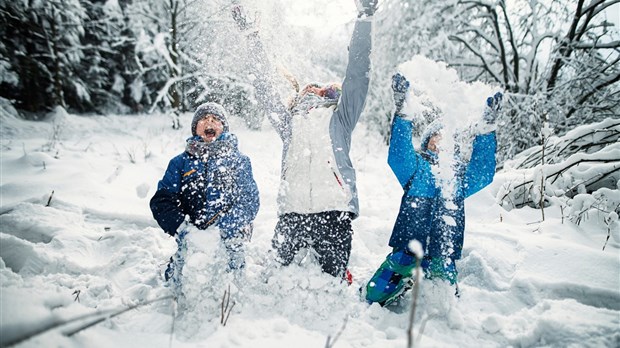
(423, 212)
(217, 187)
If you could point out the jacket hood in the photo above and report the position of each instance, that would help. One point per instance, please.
(432, 129)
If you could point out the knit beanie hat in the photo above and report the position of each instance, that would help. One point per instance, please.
(432, 129)
(207, 109)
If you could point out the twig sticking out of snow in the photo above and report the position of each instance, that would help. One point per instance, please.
(329, 343)
(77, 295)
(226, 307)
(99, 315)
(112, 315)
(418, 251)
(49, 200)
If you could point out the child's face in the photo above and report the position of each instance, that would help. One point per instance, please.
(209, 128)
(433, 143)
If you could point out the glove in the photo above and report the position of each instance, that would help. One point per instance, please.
(400, 86)
(366, 7)
(240, 18)
(493, 107)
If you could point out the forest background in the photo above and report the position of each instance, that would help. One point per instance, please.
(557, 61)
(83, 81)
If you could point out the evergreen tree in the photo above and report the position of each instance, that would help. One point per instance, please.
(42, 45)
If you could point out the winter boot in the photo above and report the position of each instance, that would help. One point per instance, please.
(441, 268)
(392, 278)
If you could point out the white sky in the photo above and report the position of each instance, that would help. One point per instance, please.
(320, 14)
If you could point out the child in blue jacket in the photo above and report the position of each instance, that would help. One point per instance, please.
(425, 214)
(210, 183)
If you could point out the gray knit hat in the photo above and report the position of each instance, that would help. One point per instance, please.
(207, 109)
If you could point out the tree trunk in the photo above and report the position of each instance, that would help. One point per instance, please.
(175, 96)
(58, 86)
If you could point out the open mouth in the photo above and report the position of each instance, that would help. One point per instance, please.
(210, 132)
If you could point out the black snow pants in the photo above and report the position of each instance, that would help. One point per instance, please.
(328, 233)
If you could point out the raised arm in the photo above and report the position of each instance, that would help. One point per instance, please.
(356, 81)
(266, 94)
(402, 157)
(481, 167)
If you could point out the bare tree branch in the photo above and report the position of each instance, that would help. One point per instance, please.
(513, 44)
(588, 46)
(563, 50)
(477, 53)
(595, 89)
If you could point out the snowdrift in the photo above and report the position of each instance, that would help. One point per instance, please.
(77, 240)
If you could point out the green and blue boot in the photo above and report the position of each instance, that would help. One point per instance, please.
(392, 279)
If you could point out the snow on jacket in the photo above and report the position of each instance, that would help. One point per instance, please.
(424, 213)
(216, 186)
(317, 173)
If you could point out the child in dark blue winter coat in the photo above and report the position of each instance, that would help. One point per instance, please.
(425, 214)
(210, 183)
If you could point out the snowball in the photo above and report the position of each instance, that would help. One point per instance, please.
(142, 190)
(491, 324)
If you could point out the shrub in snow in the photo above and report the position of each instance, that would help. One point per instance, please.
(7, 109)
(581, 168)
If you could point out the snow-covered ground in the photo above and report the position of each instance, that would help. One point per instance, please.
(94, 246)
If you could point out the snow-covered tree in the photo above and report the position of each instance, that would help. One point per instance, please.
(109, 64)
(557, 59)
(405, 29)
(187, 57)
(579, 171)
(41, 44)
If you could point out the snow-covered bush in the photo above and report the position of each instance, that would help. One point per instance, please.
(581, 169)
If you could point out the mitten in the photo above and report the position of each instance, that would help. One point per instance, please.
(239, 16)
(400, 86)
(366, 7)
(492, 109)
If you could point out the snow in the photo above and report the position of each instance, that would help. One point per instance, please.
(433, 82)
(523, 282)
(437, 96)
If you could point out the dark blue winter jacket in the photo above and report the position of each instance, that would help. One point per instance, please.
(424, 213)
(211, 184)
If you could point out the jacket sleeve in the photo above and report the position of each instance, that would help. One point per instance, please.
(245, 206)
(356, 81)
(481, 167)
(165, 204)
(402, 157)
(266, 94)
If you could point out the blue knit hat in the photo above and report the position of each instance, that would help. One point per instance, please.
(207, 109)
(432, 129)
